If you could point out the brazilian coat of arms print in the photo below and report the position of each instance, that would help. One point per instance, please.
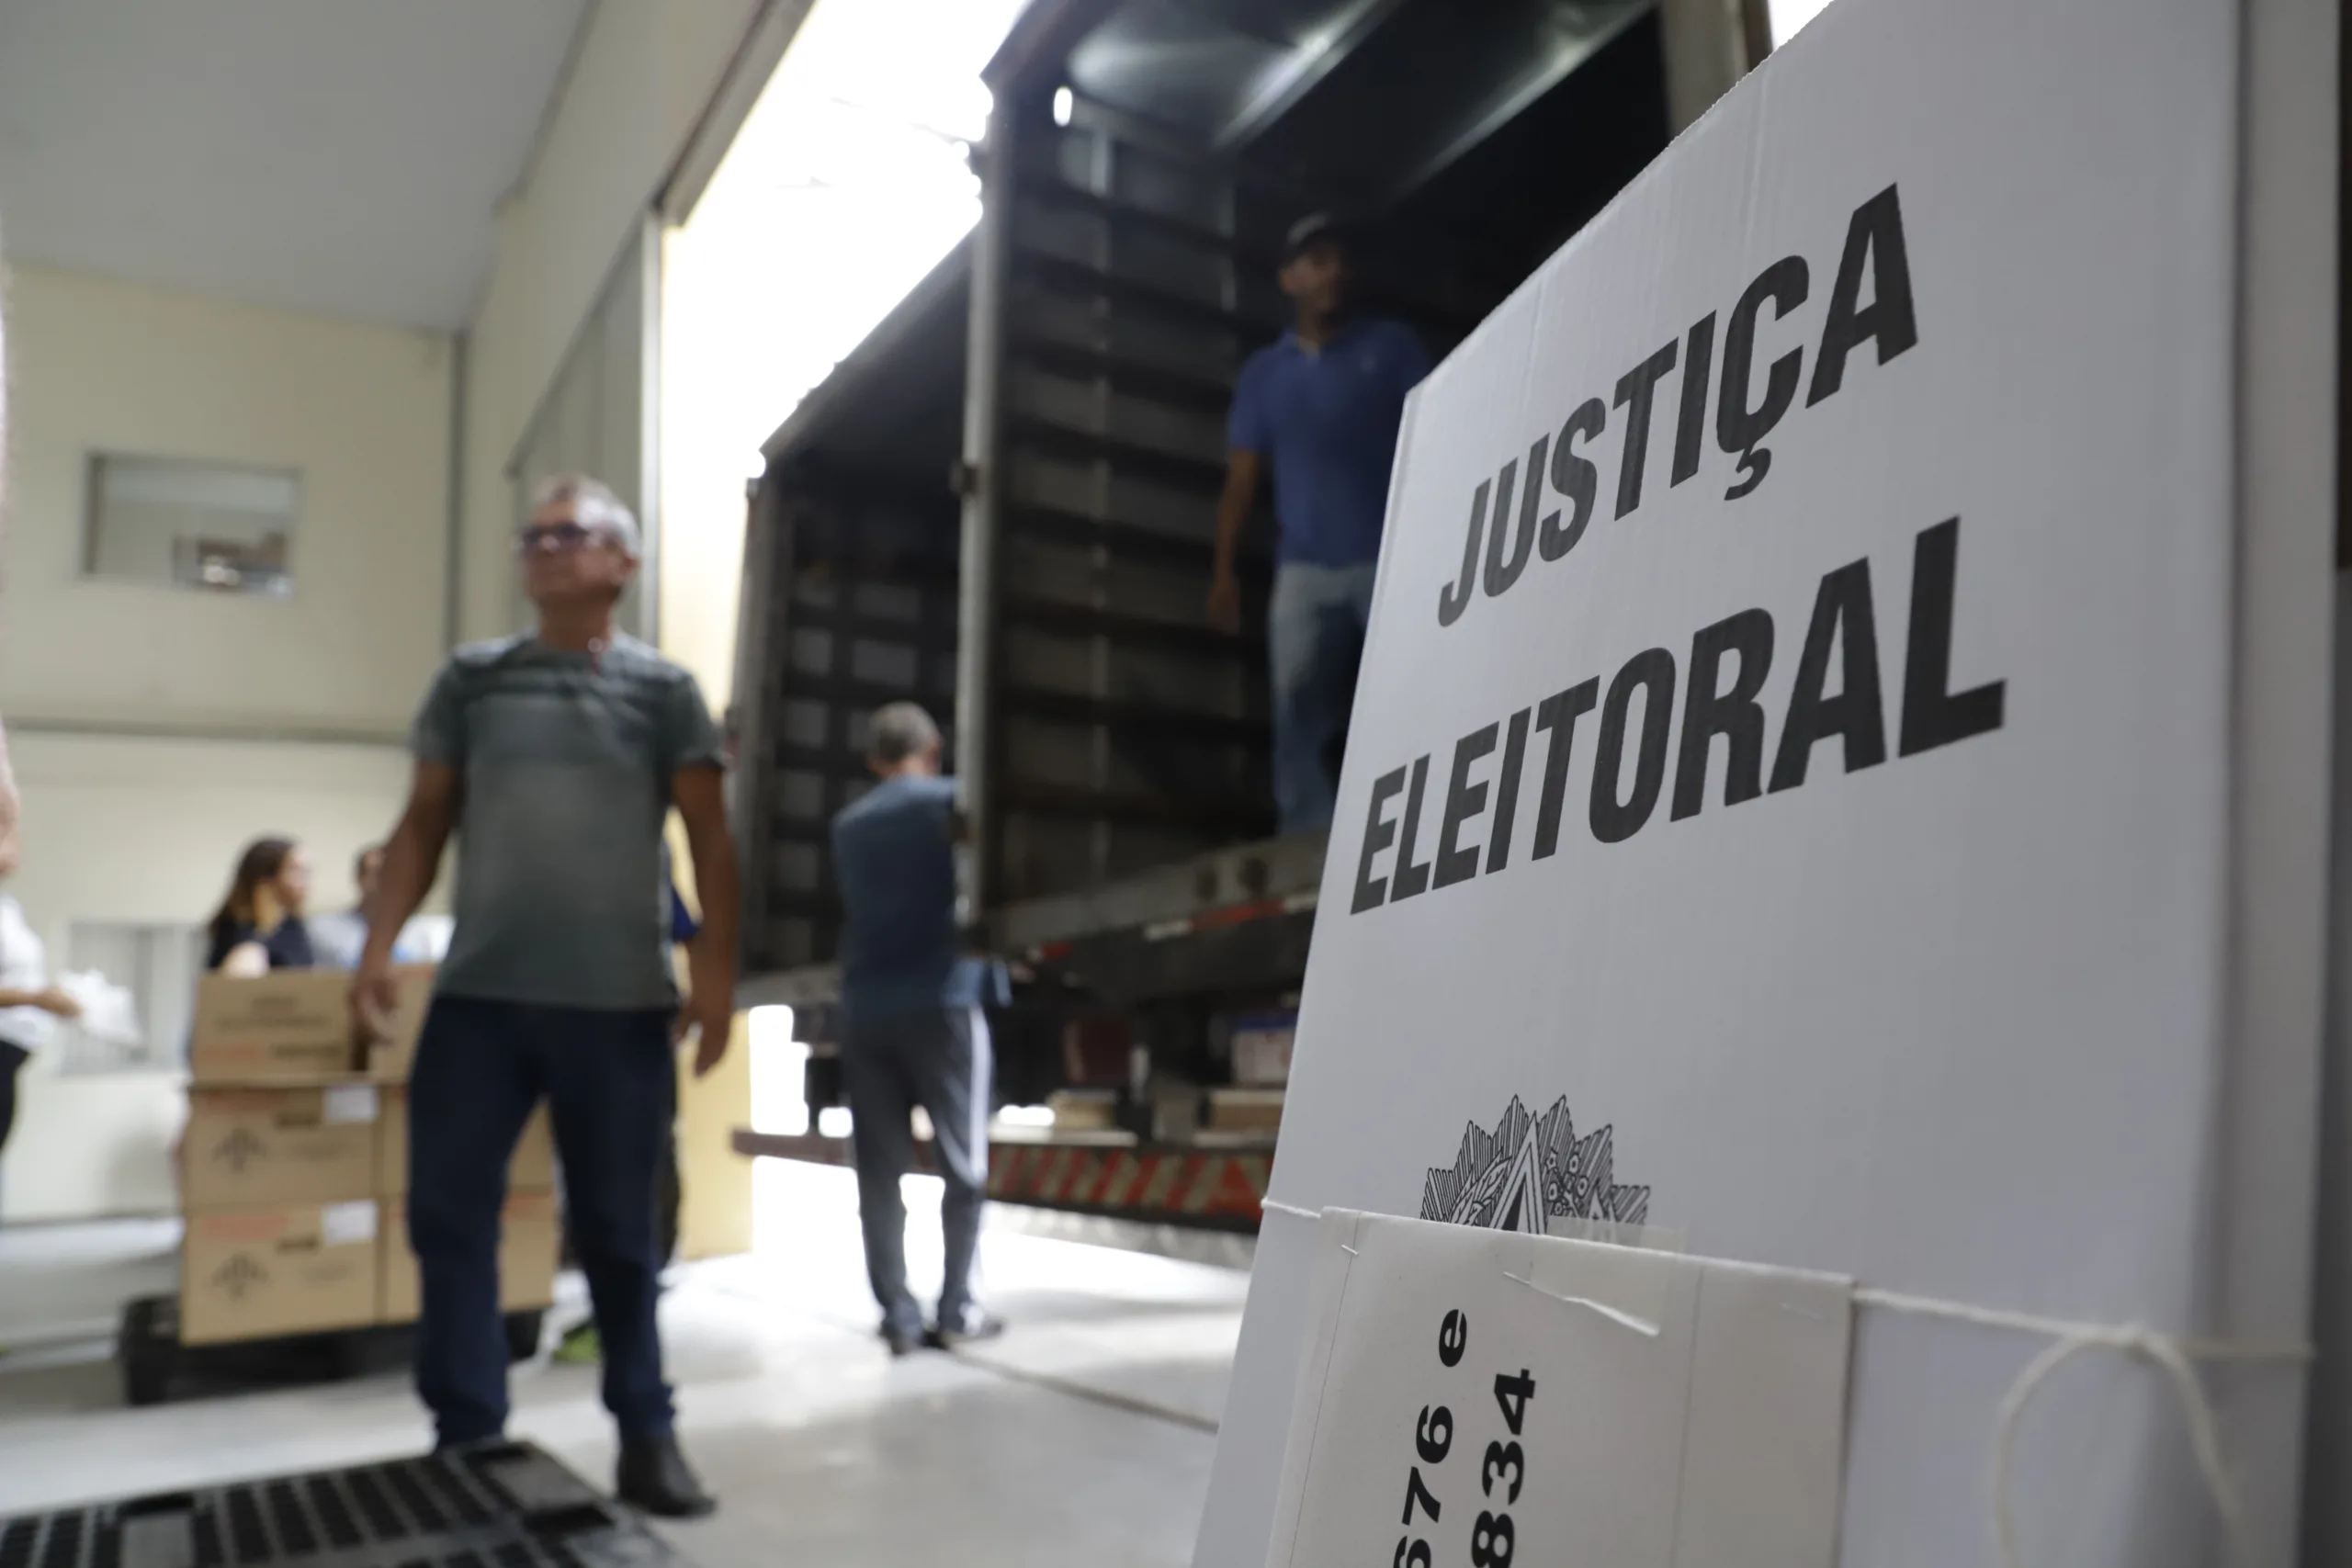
(1530, 1171)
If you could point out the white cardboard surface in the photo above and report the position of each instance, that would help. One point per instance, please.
(1684, 1414)
(1954, 1023)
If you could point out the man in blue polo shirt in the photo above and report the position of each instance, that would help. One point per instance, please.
(1321, 408)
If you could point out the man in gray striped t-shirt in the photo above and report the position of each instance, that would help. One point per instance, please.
(556, 758)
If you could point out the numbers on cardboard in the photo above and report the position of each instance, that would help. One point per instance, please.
(1502, 1457)
(1493, 1538)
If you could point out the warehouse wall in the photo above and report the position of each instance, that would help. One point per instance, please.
(362, 411)
(645, 72)
(134, 710)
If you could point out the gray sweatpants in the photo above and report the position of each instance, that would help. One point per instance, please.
(937, 1058)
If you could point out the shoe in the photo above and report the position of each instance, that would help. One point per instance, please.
(653, 1477)
(901, 1343)
(974, 1326)
(581, 1348)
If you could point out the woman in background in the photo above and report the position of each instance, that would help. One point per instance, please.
(258, 927)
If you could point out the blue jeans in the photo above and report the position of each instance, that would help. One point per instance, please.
(610, 1082)
(891, 1062)
(1315, 627)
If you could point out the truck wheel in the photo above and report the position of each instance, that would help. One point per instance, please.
(147, 1357)
(523, 1334)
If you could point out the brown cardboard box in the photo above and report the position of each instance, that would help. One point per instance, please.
(295, 1023)
(390, 1057)
(534, 1165)
(291, 1269)
(527, 1244)
(1245, 1109)
(248, 1146)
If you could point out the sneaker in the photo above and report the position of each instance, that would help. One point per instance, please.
(901, 1343)
(581, 1348)
(975, 1324)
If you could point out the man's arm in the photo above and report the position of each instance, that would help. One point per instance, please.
(711, 957)
(411, 860)
(1242, 470)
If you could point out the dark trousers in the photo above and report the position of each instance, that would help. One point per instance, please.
(937, 1058)
(12, 1058)
(609, 1081)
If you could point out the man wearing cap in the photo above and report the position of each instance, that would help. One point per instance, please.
(1321, 408)
(558, 756)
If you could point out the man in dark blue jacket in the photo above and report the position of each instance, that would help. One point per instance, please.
(913, 1033)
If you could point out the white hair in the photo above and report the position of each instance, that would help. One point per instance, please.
(898, 732)
(594, 506)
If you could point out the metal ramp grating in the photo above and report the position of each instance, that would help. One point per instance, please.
(504, 1506)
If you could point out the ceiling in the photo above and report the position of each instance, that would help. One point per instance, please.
(342, 157)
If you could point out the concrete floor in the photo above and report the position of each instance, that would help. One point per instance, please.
(1083, 1437)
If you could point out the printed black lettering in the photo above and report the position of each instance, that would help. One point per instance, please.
(1933, 716)
(1650, 673)
(1843, 614)
(1690, 430)
(1411, 879)
(1738, 427)
(1636, 393)
(1875, 234)
(1452, 601)
(1574, 478)
(1501, 574)
(1464, 800)
(1558, 713)
(1507, 794)
(1372, 891)
(1734, 714)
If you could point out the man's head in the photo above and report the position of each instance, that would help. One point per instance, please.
(1315, 266)
(900, 739)
(366, 867)
(580, 548)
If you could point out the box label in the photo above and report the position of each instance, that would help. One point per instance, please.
(351, 1102)
(1457, 1373)
(344, 1224)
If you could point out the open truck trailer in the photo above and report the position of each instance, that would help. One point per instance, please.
(1003, 505)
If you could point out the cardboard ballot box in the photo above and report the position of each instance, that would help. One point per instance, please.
(249, 1145)
(527, 1245)
(1839, 784)
(533, 1166)
(297, 1024)
(277, 1269)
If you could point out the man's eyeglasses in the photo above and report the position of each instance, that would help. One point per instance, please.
(561, 538)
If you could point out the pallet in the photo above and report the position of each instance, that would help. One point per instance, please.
(496, 1505)
(152, 1360)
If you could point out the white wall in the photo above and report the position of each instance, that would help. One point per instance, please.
(128, 828)
(124, 819)
(645, 72)
(362, 413)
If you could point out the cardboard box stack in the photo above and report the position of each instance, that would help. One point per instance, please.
(294, 1168)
